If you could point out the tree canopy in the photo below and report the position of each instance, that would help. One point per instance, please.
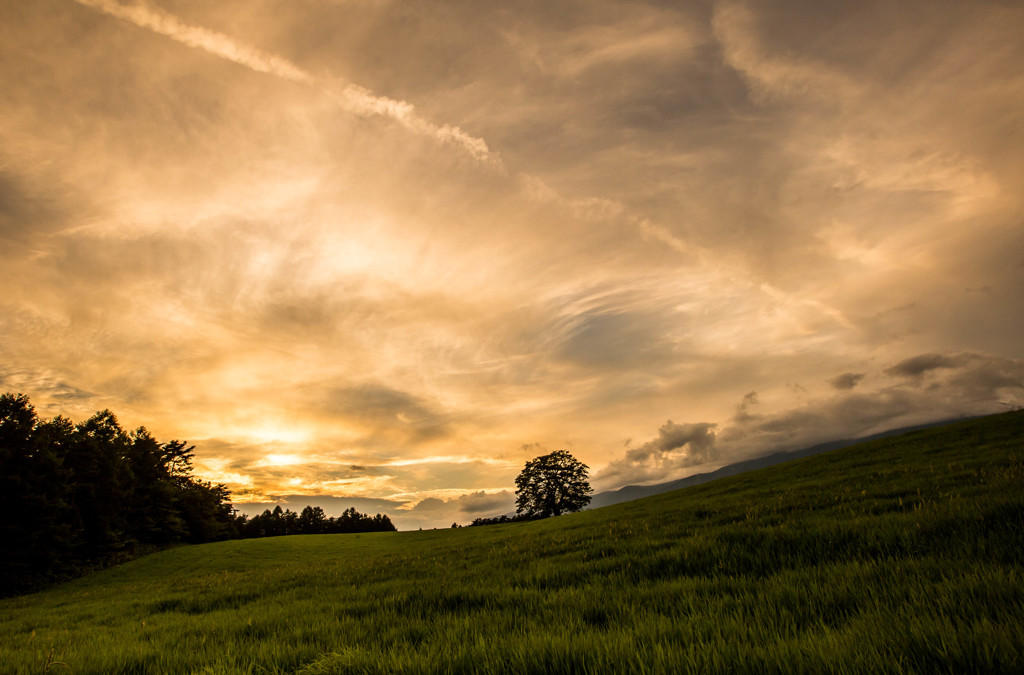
(552, 484)
(78, 496)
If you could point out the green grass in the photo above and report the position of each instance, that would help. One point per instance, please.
(902, 555)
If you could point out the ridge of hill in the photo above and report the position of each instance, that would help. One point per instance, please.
(631, 492)
(898, 555)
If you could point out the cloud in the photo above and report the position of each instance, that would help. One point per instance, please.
(477, 503)
(846, 381)
(28, 209)
(963, 384)
(672, 437)
(770, 75)
(743, 413)
(351, 97)
(675, 447)
(615, 340)
(381, 409)
(919, 365)
(845, 417)
(985, 377)
(59, 397)
(461, 509)
(145, 16)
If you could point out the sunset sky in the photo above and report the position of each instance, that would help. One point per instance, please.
(380, 253)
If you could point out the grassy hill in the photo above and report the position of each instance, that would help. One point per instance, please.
(900, 555)
(630, 492)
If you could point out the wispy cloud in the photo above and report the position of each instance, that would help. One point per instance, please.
(772, 76)
(218, 44)
(351, 97)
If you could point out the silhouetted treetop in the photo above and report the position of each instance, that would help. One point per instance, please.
(552, 484)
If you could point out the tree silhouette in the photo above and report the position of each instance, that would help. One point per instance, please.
(74, 497)
(552, 484)
(312, 520)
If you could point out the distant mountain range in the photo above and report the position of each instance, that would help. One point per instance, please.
(630, 492)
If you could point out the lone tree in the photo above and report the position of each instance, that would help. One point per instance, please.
(551, 485)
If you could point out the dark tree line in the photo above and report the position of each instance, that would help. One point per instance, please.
(74, 497)
(312, 520)
(504, 518)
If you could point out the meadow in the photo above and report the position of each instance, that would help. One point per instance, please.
(902, 555)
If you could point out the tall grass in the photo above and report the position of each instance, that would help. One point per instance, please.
(902, 555)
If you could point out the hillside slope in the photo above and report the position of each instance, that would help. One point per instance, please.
(900, 555)
(631, 492)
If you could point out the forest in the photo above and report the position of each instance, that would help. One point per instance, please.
(77, 497)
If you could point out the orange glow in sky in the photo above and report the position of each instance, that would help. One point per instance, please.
(382, 253)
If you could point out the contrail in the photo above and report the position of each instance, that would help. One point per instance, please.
(209, 41)
(352, 98)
